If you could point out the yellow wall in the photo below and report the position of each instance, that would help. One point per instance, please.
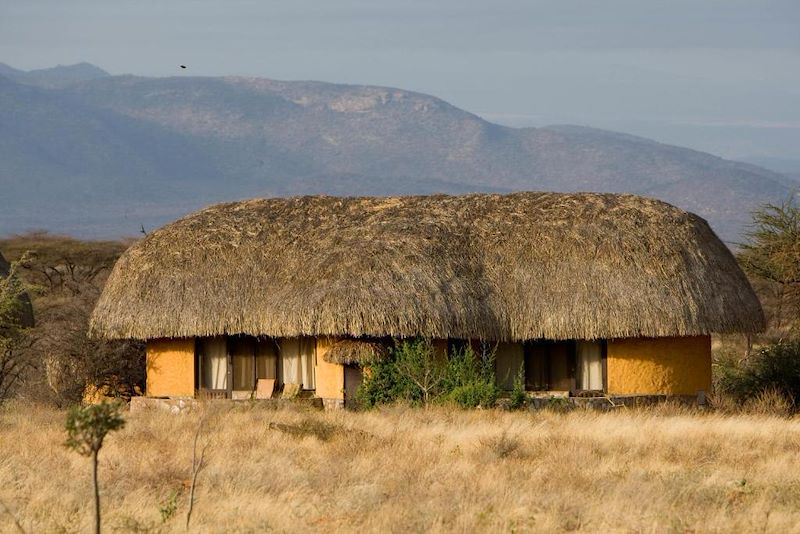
(170, 367)
(329, 376)
(668, 365)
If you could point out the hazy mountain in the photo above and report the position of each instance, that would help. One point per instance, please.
(103, 155)
(787, 167)
(54, 76)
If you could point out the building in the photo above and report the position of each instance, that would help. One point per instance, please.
(587, 292)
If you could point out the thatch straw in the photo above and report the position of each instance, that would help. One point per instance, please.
(355, 351)
(497, 267)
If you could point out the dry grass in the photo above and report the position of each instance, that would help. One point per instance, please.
(402, 469)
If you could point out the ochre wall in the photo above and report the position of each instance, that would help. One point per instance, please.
(667, 365)
(170, 367)
(329, 376)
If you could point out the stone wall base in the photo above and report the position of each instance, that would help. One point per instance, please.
(333, 404)
(612, 401)
(178, 405)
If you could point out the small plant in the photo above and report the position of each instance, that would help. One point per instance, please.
(198, 462)
(168, 506)
(87, 428)
(519, 399)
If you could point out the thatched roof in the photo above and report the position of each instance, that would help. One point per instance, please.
(498, 267)
(355, 351)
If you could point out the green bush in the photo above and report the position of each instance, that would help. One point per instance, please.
(519, 399)
(412, 372)
(394, 378)
(422, 375)
(775, 368)
(470, 380)
(474, 394)
(381, 384)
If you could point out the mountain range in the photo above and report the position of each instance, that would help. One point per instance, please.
(95, 155)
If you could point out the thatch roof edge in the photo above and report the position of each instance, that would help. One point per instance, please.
(495, 267)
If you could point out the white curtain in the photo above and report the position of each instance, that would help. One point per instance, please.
(590, 365)
(215, 363)
(297, 361)
(307, 346)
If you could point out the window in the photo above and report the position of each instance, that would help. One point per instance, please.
(242, 350)
(297, 361)
(226, 366)
(266, 359)
(565, 365)
(212, 364)
(589, 356)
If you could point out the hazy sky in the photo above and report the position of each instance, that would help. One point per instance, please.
(720, 75)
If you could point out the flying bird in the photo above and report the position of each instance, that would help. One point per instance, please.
(183, 66)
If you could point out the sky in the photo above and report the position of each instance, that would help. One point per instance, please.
(717, 75)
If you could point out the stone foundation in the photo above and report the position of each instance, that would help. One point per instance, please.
(174, 405)
(610, 402)
(178, 405)
(333, 404)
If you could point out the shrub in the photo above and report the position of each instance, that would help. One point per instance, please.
(383, 384)
(421, 374)
(474, 394)
(774, 369)
(414, 373)
(519, 398)
(470, 380)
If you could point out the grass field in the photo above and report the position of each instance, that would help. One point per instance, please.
(403, 469)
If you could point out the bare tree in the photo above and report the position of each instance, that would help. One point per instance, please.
(197, 466)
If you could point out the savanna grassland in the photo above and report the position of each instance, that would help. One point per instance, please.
(409, 469)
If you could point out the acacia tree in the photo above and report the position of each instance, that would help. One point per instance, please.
(14, 323)
(86, 430)
(69, 276)
(771, 257)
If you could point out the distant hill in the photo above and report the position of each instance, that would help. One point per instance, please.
(785, 166)
(103, 155)
(54, 76)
